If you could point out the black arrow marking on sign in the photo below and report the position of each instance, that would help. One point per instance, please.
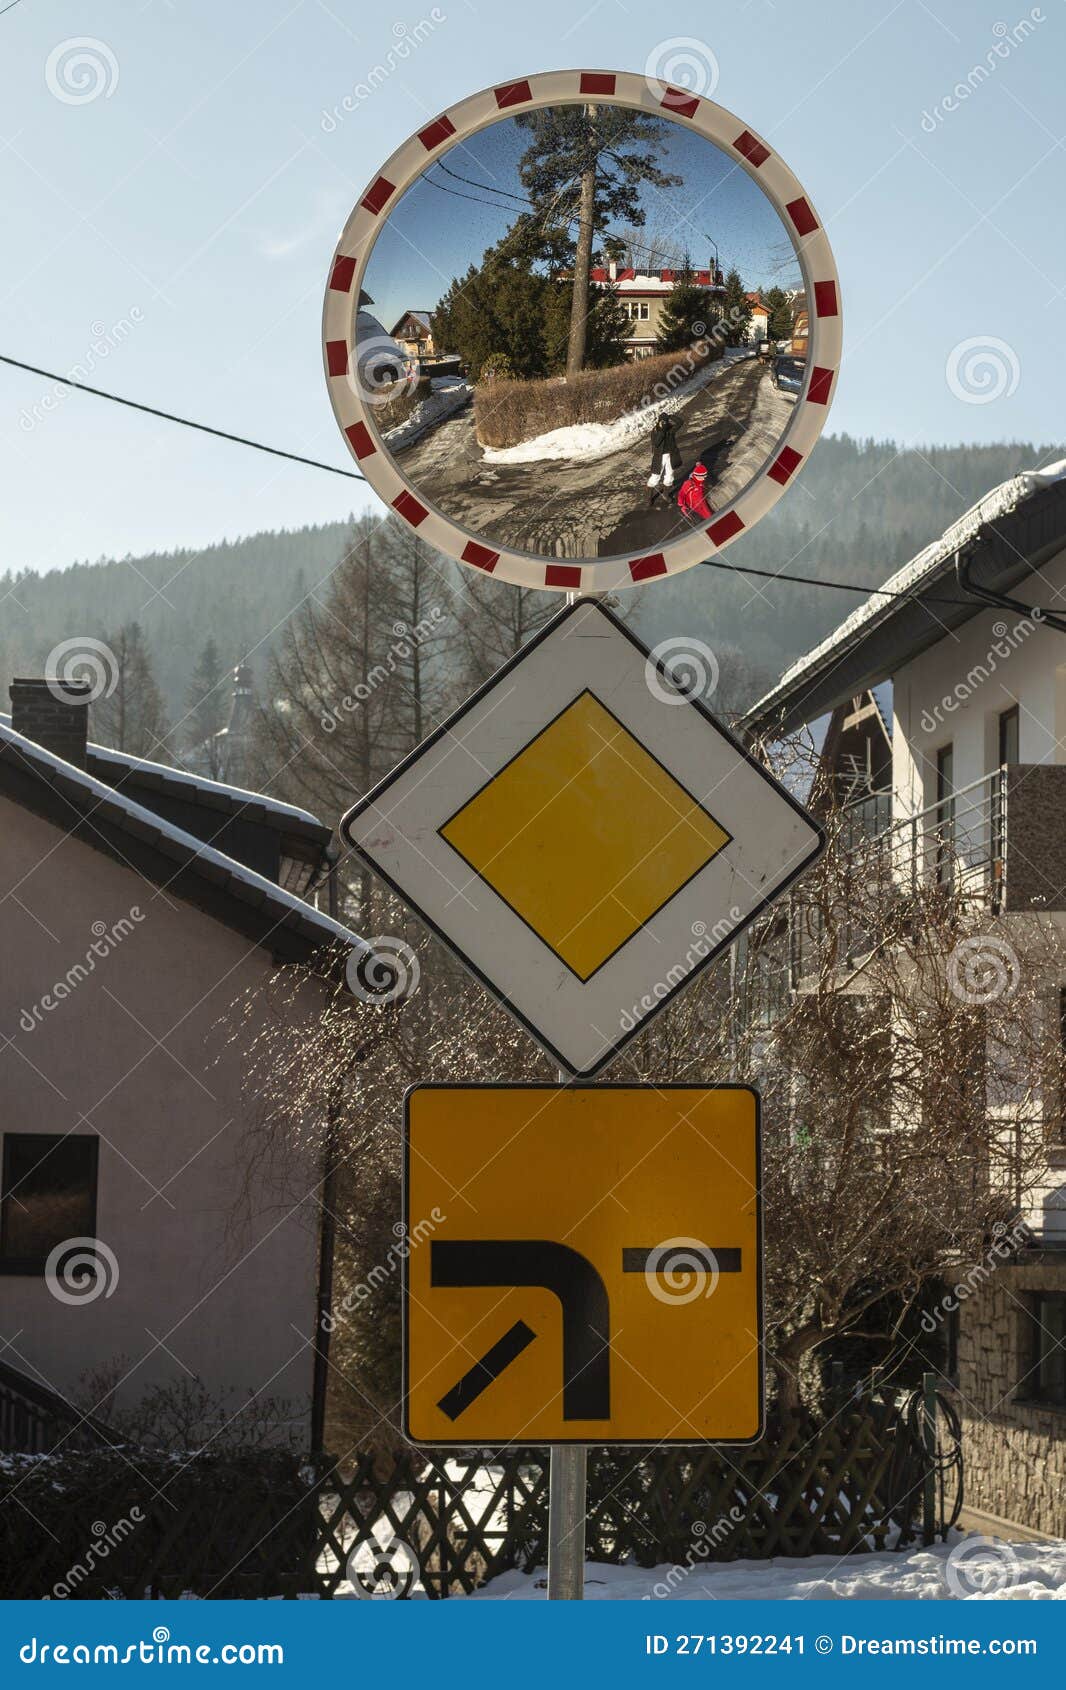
(640, 1259)
(556, 1268)
(479, 1377)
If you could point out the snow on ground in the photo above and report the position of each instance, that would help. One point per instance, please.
(968, 1568)
(448, 395)
(590, 441)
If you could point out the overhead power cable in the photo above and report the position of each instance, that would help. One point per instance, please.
(185, 422)
(864, 587)
(524, 199)
(354, 475)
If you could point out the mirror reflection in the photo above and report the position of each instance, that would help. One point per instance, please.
(582, 331)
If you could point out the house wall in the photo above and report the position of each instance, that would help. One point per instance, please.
(138, 1052)
(643, 336)
(1014, 1453)
(955, 691)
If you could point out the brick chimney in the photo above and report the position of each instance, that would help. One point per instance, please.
(54, 714)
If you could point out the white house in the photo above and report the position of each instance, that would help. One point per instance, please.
(144, 1241)
(978, 777)
(642, 295)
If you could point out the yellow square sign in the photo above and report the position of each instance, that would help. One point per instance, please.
(585, 835)
(584, 1265)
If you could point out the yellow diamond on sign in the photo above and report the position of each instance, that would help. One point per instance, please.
(584, 835)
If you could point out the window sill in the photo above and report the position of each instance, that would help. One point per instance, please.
(1037, 1402)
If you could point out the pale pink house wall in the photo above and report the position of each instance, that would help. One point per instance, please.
(233, 1304)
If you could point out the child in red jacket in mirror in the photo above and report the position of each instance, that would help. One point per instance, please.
(691, 497)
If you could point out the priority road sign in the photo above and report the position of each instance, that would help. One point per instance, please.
(584, 835)
(596, 1276)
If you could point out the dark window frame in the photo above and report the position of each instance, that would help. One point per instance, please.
(945, 813)
(35, 1265)
(1008, 720)
(952, 1327)
(1033, 1324)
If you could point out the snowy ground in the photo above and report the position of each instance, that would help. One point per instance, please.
(591, 441)
(969, 1568)
(449, 394)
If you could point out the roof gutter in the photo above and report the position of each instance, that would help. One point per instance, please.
(1003, 551)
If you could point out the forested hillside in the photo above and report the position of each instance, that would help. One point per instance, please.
(859, 510)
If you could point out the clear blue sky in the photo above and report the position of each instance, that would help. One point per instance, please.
(198, 203)
(443, 225)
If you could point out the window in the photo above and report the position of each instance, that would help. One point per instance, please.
(1043, 1351)
(1008, 736)
(49, 1195)
(951, 1344)
(1006, 752)
(945, 812)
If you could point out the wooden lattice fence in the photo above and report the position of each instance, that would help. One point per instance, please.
(851, 1484)
(128, 1523)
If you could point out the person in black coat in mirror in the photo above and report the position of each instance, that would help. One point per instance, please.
(665, 457)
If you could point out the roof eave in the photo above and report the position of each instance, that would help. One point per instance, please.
(161, 859)
(1001, 554)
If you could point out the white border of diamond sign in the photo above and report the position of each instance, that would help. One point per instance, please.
(583, 1024)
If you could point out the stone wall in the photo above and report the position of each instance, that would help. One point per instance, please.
(1014, 1453)
(1036, 840)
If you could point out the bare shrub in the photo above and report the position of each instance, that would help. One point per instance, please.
(391, 412)
(507, 412)
(183, 1415)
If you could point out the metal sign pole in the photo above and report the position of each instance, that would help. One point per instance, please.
(567, 1490)
(566, 1523)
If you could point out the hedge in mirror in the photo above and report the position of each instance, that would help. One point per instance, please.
(579, 331)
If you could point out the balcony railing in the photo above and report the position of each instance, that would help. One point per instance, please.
(998, 843)
(1001, 840)
(35, 1419)
(960, 842)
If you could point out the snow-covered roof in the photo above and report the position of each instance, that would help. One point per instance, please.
(91, 796)
(201, 784)
(643, 284)
(422, 317)
(239, 794)
(373, 342)
(932, 561)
